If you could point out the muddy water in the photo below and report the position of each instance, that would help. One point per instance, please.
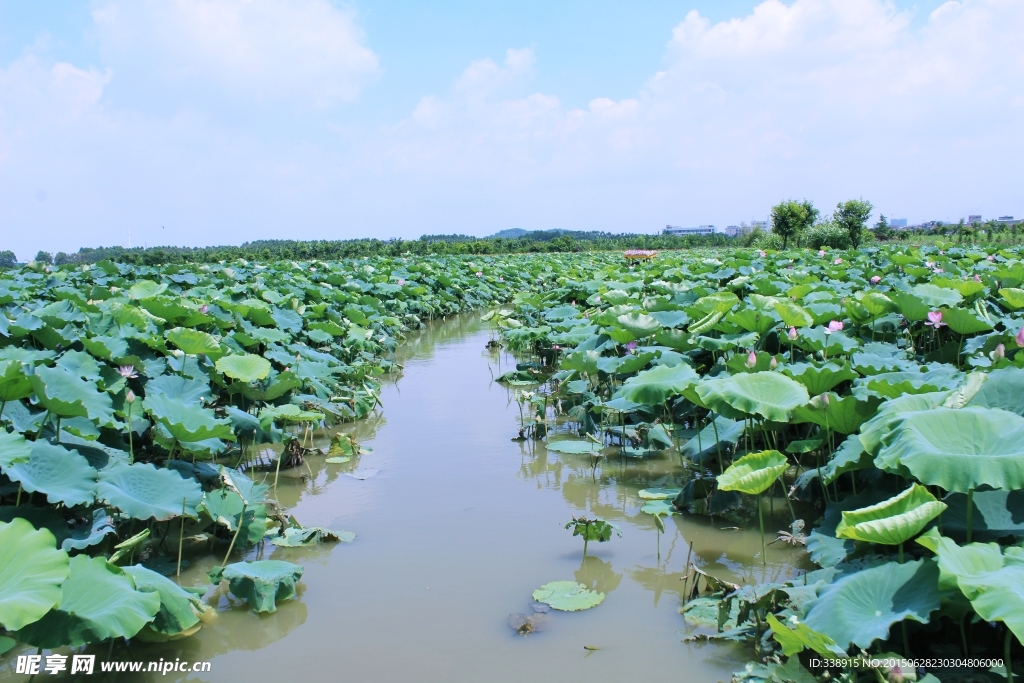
(456, 530)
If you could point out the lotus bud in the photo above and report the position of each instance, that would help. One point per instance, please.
(824, 400)
(203, 309)
(875, 279)
(773, 364)
(792, 334)
(751, 360)
(998, 354)
(129, 397)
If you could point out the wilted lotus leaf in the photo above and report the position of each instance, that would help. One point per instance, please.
(98, 602)
(567, 596)
(261, 583)
(30, 578)
(892, 521)
(294, 537)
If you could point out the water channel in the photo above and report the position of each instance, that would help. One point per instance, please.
(455, 531)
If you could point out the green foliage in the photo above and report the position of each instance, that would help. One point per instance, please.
(852, 217)
(791, 218)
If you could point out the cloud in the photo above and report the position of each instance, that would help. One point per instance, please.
(267, 51)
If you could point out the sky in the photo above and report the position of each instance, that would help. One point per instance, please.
(203, 122)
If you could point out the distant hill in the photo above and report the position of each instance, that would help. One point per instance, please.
(511, 233)
(548, 235)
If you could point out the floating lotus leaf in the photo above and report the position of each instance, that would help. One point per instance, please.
(66, 395)
(575, 447)
(657, 385)
(179, 610)
(187, 422)
(193, 342)
(244, 368)
(658, 493)
(261, 583)
(64, 476)
(30, 577)
(661, 506)
(567, 596)
(142, 491)
(958, 449)
(769, 394)
(892, 521)
(754, 473)
(311, 535)
(861, 607)
(98, 602)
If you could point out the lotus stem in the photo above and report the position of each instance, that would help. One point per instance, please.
(131, 444)
(58, 429)
(760, 519)
(277, 470)
(718, 445)
(17, 503)
(901, 552)
(181, 535)
(963, 637)
(970, 512)
(584, 547)
(241, 520)
(42, 424)
(1007, 653)
(786, 496)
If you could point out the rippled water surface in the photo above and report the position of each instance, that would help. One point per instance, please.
(455, 532)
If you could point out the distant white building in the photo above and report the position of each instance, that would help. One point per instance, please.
(1006, 219)
(974, 218)
(699, 230)
(898, 223)
(764, 225)
(736, 230)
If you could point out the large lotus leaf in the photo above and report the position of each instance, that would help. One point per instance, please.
(754, 473)
(560, 312)
(225, 507)
(1003, 388)
(249, 490)
(894, 384)
(629, 364)
(244, 368)
(180, 388)
(911, 307)
(14, 383)
(705, 447)
(1013, 297)
(849, 457)
(66, 395)
(657, 385)
(877, 304)
(261, 583)
(581, 361)
(793, 315)
(889, 415)
(639, 325)
(843, 415)
(958, 449)
(142, 491)
(935, 296)
(574, 447)
(31, 572)
(832, 343)
(819, 379)
(13, 449)
(80, 364)
(795, 640)
(567, 596)
(98, 602)
(861, 607)
(892, 521)
(187, 422)
(64, 476)
(147, 289)
(311, 535)
(768, 394)
(996, 515)
(964, 322)
(179, 609)
(193, 341)
(670, 319)
(90, 532)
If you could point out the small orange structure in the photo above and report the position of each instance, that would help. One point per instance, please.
(639, 254)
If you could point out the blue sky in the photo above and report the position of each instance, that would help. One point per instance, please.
(222, 121)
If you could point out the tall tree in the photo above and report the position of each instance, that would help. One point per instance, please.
(853, 216)
(791, 218)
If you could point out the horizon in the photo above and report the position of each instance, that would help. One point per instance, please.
(228, 122)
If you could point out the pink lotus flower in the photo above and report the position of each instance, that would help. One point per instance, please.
(792, 334)
(821, 253)
(751, 360)
(762, 254)
(838, 261)
(929, 264)
(998, 354)
(401, 282)
(935, 319)
(631, 346)
(479, 273)
(990, 257)
(127, 371)
(938, 270)
(977, 278)
(1020, 337)
(875, 279)
(834, 326)
(203, 309)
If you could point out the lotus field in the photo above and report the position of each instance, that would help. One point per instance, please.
(877, 395)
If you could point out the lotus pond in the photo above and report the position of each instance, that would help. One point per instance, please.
(769, 457)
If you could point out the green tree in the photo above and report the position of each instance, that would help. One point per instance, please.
(8, 259)
(882, 229)
(791, 218)
(853, 217)
(44, 257)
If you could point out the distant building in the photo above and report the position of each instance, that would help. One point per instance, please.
(898, 223)
(1006, 219)
(699, 230)
(764, 225)
(736, 230)
(974, 218)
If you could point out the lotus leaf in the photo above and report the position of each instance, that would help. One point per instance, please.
(861, 607)
(13, 449)
(14, 383)
(91, 532)
(843, 415)
(187, 422)
(893, 521)
(754, 473)
(819, 379)
(295, 537)
(567, 596)
(65, 395)
(147, 289)
(996, 515)
(769, 394)
(261, 583)
(244, 368)
(575, 447)
(657, 385)
(958, 449)
(933, 295)
(179, 610)
(658, 493)
(795, 640)
(98, 602)
(193, 342)
(142, 491)
(64, 476)
(30, 578)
